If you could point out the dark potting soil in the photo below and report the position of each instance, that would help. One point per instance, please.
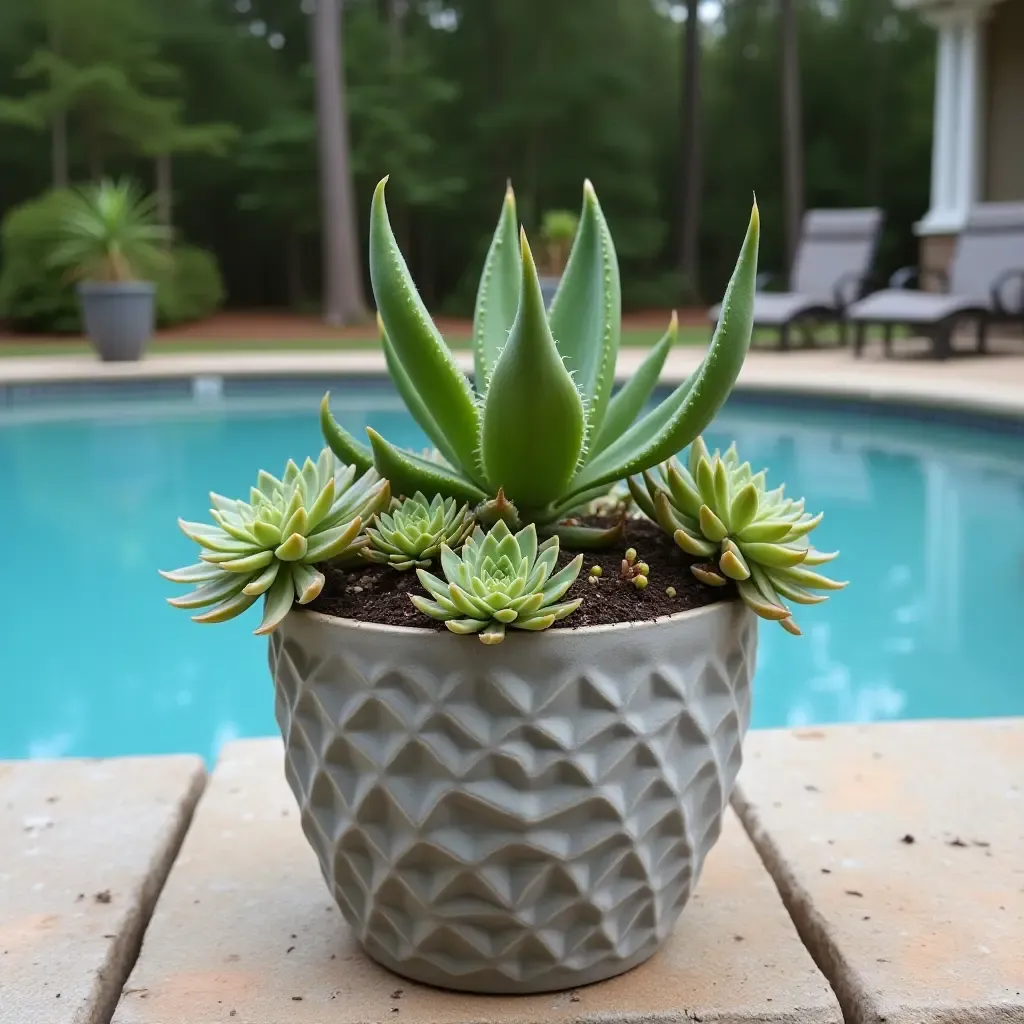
(378, 593)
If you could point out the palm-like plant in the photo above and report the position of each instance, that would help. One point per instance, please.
(108, 232)
(542, 428)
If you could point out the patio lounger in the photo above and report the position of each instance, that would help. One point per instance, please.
(985, 285)
(837, 248)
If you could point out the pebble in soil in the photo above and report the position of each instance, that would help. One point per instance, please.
(379, 593)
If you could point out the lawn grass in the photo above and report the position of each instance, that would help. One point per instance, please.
(636, 337)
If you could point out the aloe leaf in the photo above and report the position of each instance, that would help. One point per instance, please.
(497, 296)
(409, 473)
(586, 311)
(417, 343)
(533, 419)
(691, 407)
(413, 401)
(341, 442)
(200, 572)
(589, 538)
(210, 593)
(641, 496)
(628, 402)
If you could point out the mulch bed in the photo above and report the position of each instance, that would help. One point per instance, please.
(378, 593)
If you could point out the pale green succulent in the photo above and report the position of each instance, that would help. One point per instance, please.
(501, 579)
(539, 423)
(272, 543)
(411, 536)
(718, 509)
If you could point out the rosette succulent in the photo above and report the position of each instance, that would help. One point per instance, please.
(270, 545)
(540, 424)
(411, 536)
(501, 579)
(719, 510)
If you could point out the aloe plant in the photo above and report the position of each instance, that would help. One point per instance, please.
(717, 509)
(539, 427)
(411, 536)
(271, 544)
(501, 579)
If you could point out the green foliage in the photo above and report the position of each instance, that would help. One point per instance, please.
(37, 297)
(192, 288)
(34, 296)
(559, 226)
(411, 536)
(108, 232)
(501, 579)
(272, 543)
(719, 510)
(535, 431)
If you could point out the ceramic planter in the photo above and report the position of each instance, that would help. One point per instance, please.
(118, 316)
(518, 818)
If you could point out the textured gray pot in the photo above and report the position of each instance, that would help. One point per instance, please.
(518, 818)
(118, 316)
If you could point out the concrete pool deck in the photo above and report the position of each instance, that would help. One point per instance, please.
(991, 384)
(866, 874)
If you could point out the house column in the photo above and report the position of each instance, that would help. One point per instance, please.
(958, 120)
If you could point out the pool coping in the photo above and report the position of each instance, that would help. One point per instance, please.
(924, 385)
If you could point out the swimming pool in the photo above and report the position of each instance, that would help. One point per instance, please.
(929, 518)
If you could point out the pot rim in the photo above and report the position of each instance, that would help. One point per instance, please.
(333, 621)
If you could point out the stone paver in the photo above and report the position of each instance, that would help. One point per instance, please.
(900, 851)
(85, 847)
(245, 932)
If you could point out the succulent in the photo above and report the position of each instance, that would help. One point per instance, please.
(540, 423)
(411, 536)
(501, 579)
(718, 509)
(271, 543)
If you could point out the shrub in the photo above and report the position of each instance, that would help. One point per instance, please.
(37, 298)
(193, 290)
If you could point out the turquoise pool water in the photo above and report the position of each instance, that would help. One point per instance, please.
(929, 517)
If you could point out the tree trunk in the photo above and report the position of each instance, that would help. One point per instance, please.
(164, 189)
(396, 13)
(689, 239)
(342, 286)
(792, 131)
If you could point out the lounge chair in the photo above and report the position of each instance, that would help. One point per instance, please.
(837, 248)
(985, 286)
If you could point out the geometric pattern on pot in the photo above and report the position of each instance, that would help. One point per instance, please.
(519, 818)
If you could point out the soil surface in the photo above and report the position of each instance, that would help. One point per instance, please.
(378, 593)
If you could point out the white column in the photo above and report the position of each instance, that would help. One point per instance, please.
(958, 130)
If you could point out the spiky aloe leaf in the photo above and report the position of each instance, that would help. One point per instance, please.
(628, 402)
(497, 296)
(587, 309)
(413, 401)
(688, 410)
(533, 418)
(417, 343)
(409, 473)
(340, 441)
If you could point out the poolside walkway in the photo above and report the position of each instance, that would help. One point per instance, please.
(866, 874)
(992, 383)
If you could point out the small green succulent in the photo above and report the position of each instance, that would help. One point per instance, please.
(411, 536)
(271, 543)
(539, 423)
(501, 579)
(718, 509)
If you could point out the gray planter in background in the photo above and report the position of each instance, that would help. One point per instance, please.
(118, 316)
(525, 817)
